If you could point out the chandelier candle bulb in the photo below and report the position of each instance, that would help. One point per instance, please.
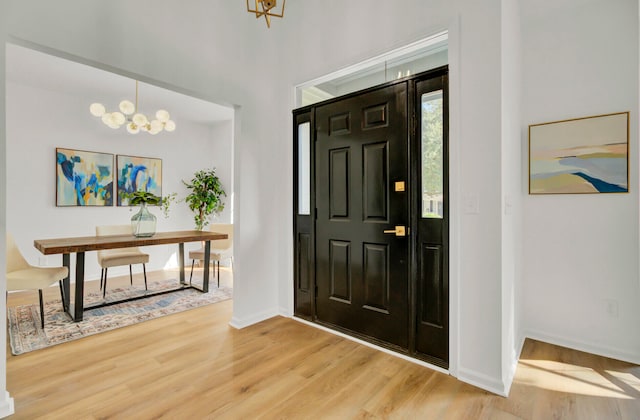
(139, 119)
(127, 107)
(162, 115)
(97, 110)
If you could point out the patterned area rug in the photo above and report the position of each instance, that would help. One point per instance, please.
(24, 321)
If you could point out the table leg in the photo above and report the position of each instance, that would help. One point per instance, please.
(207, 260)
(79, 298)
(181, 261)
(66, 283)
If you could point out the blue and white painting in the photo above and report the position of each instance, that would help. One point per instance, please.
(83, 178)
(585, 155)
(138, 174)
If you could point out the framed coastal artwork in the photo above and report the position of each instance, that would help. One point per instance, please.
(135, 173)
(580, 156)
(83, 178)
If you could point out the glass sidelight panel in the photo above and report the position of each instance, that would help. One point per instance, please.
(304, 168)
(432, 155)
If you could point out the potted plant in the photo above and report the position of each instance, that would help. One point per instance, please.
(143, 223)
(205, 197)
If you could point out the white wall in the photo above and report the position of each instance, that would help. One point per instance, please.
(512, 194)
(581, 251)
(222, 154)
(62, 120)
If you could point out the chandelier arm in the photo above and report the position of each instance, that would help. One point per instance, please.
(281, 10)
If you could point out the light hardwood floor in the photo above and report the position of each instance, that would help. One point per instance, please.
(193, 365)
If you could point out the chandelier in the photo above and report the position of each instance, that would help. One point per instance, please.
(132, 119)
(266, 8)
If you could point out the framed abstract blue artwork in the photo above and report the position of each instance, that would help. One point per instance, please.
(83, 178)
(137, 173)
(580, 156)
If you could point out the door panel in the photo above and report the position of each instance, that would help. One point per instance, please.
(432, 323)
(375, 181)
(340, 266)
(339, 183)
(303, 219)
(362, 273)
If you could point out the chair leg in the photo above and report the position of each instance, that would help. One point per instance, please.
(101, 278)
(218, 272)
(144, 270)
(64, 309)
(104, 290)
(191, 275)
(131, 274)
(41, 309)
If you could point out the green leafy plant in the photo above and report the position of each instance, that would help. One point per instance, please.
(142, 197)
(205, 197)
(165, 204)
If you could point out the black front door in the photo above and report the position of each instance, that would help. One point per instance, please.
(361, 186)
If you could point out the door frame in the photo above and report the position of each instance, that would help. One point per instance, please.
(306, 224)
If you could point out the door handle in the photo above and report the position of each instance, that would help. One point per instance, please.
(398, 231)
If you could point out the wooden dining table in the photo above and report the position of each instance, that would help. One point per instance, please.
(80, 245)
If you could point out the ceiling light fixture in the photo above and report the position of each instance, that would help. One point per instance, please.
(134, 120)
(266, 8)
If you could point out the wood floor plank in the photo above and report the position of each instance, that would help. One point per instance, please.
(194, 365)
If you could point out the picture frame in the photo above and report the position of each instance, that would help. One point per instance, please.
(587, 155)
(83, 178)
(137, 173)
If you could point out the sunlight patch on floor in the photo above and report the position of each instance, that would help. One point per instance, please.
(565, 377)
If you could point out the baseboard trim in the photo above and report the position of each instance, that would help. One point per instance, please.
(286, 312)
(599, 350)
(240, 323)
(373, 346)
(511, 374)
(6, 406)
(483, 381)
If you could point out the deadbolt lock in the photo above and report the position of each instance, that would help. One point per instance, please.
(398, 231)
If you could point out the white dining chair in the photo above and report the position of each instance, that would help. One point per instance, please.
(221, 249)
(121, 256)
(23, 276)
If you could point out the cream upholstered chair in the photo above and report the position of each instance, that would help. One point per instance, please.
(221, 249)
(121, 256)
(23, 276)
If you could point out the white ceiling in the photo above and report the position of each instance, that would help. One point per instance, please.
(34, 68)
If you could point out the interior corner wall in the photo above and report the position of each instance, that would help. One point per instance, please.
(511, 184)
(222, 158)
(581, 286)
(63, 121)
(6, 402)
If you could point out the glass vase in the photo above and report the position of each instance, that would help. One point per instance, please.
(143, 223)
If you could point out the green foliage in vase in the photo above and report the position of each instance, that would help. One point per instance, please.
(205, 197)
(142, 197)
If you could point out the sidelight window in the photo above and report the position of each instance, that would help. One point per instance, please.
(432, 155)
(304, 168)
